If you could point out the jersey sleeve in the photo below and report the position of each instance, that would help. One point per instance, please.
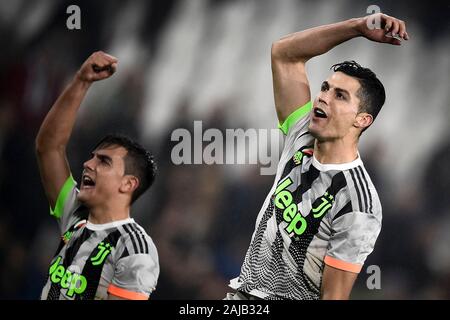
(66, 205)
(135, 277)
(353, 238)
(295, 127)
(295, 122)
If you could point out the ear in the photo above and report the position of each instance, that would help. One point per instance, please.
(129, 184)
(363, 120)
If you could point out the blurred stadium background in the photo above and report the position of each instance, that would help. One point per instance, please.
(209, 60)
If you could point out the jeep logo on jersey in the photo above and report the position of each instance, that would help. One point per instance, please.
(103, 251)
(297, 224)
(291, 214)
(75, 283)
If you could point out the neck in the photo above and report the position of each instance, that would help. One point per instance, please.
(335, 152)
(101, 215)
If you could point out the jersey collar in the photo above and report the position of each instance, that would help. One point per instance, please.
(339, 167)
(104, 226)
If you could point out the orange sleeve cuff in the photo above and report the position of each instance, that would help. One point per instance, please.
(342, 265)
(122, 293)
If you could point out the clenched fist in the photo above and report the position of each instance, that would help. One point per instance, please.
(97, 67)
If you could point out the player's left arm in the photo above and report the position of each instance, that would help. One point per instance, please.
(352, 240)
(135, 275)
(337, 284)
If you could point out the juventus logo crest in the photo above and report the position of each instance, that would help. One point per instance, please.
(104, 249)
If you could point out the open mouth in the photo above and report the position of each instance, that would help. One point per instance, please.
(320, 113)
(87, 181)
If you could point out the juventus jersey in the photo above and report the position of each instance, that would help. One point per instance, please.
(93, 260)
(315, 214)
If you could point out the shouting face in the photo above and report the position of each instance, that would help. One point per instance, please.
(336, 110)
(104, 176)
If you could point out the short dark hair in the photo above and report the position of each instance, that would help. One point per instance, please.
(138, 161)
(371, 93)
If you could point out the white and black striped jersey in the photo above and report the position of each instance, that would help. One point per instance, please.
(93, 260)
(314, 214)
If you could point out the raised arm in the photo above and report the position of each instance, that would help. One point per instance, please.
(290, 54)
(56, 129)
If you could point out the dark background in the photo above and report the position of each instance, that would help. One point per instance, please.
(210, 60)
